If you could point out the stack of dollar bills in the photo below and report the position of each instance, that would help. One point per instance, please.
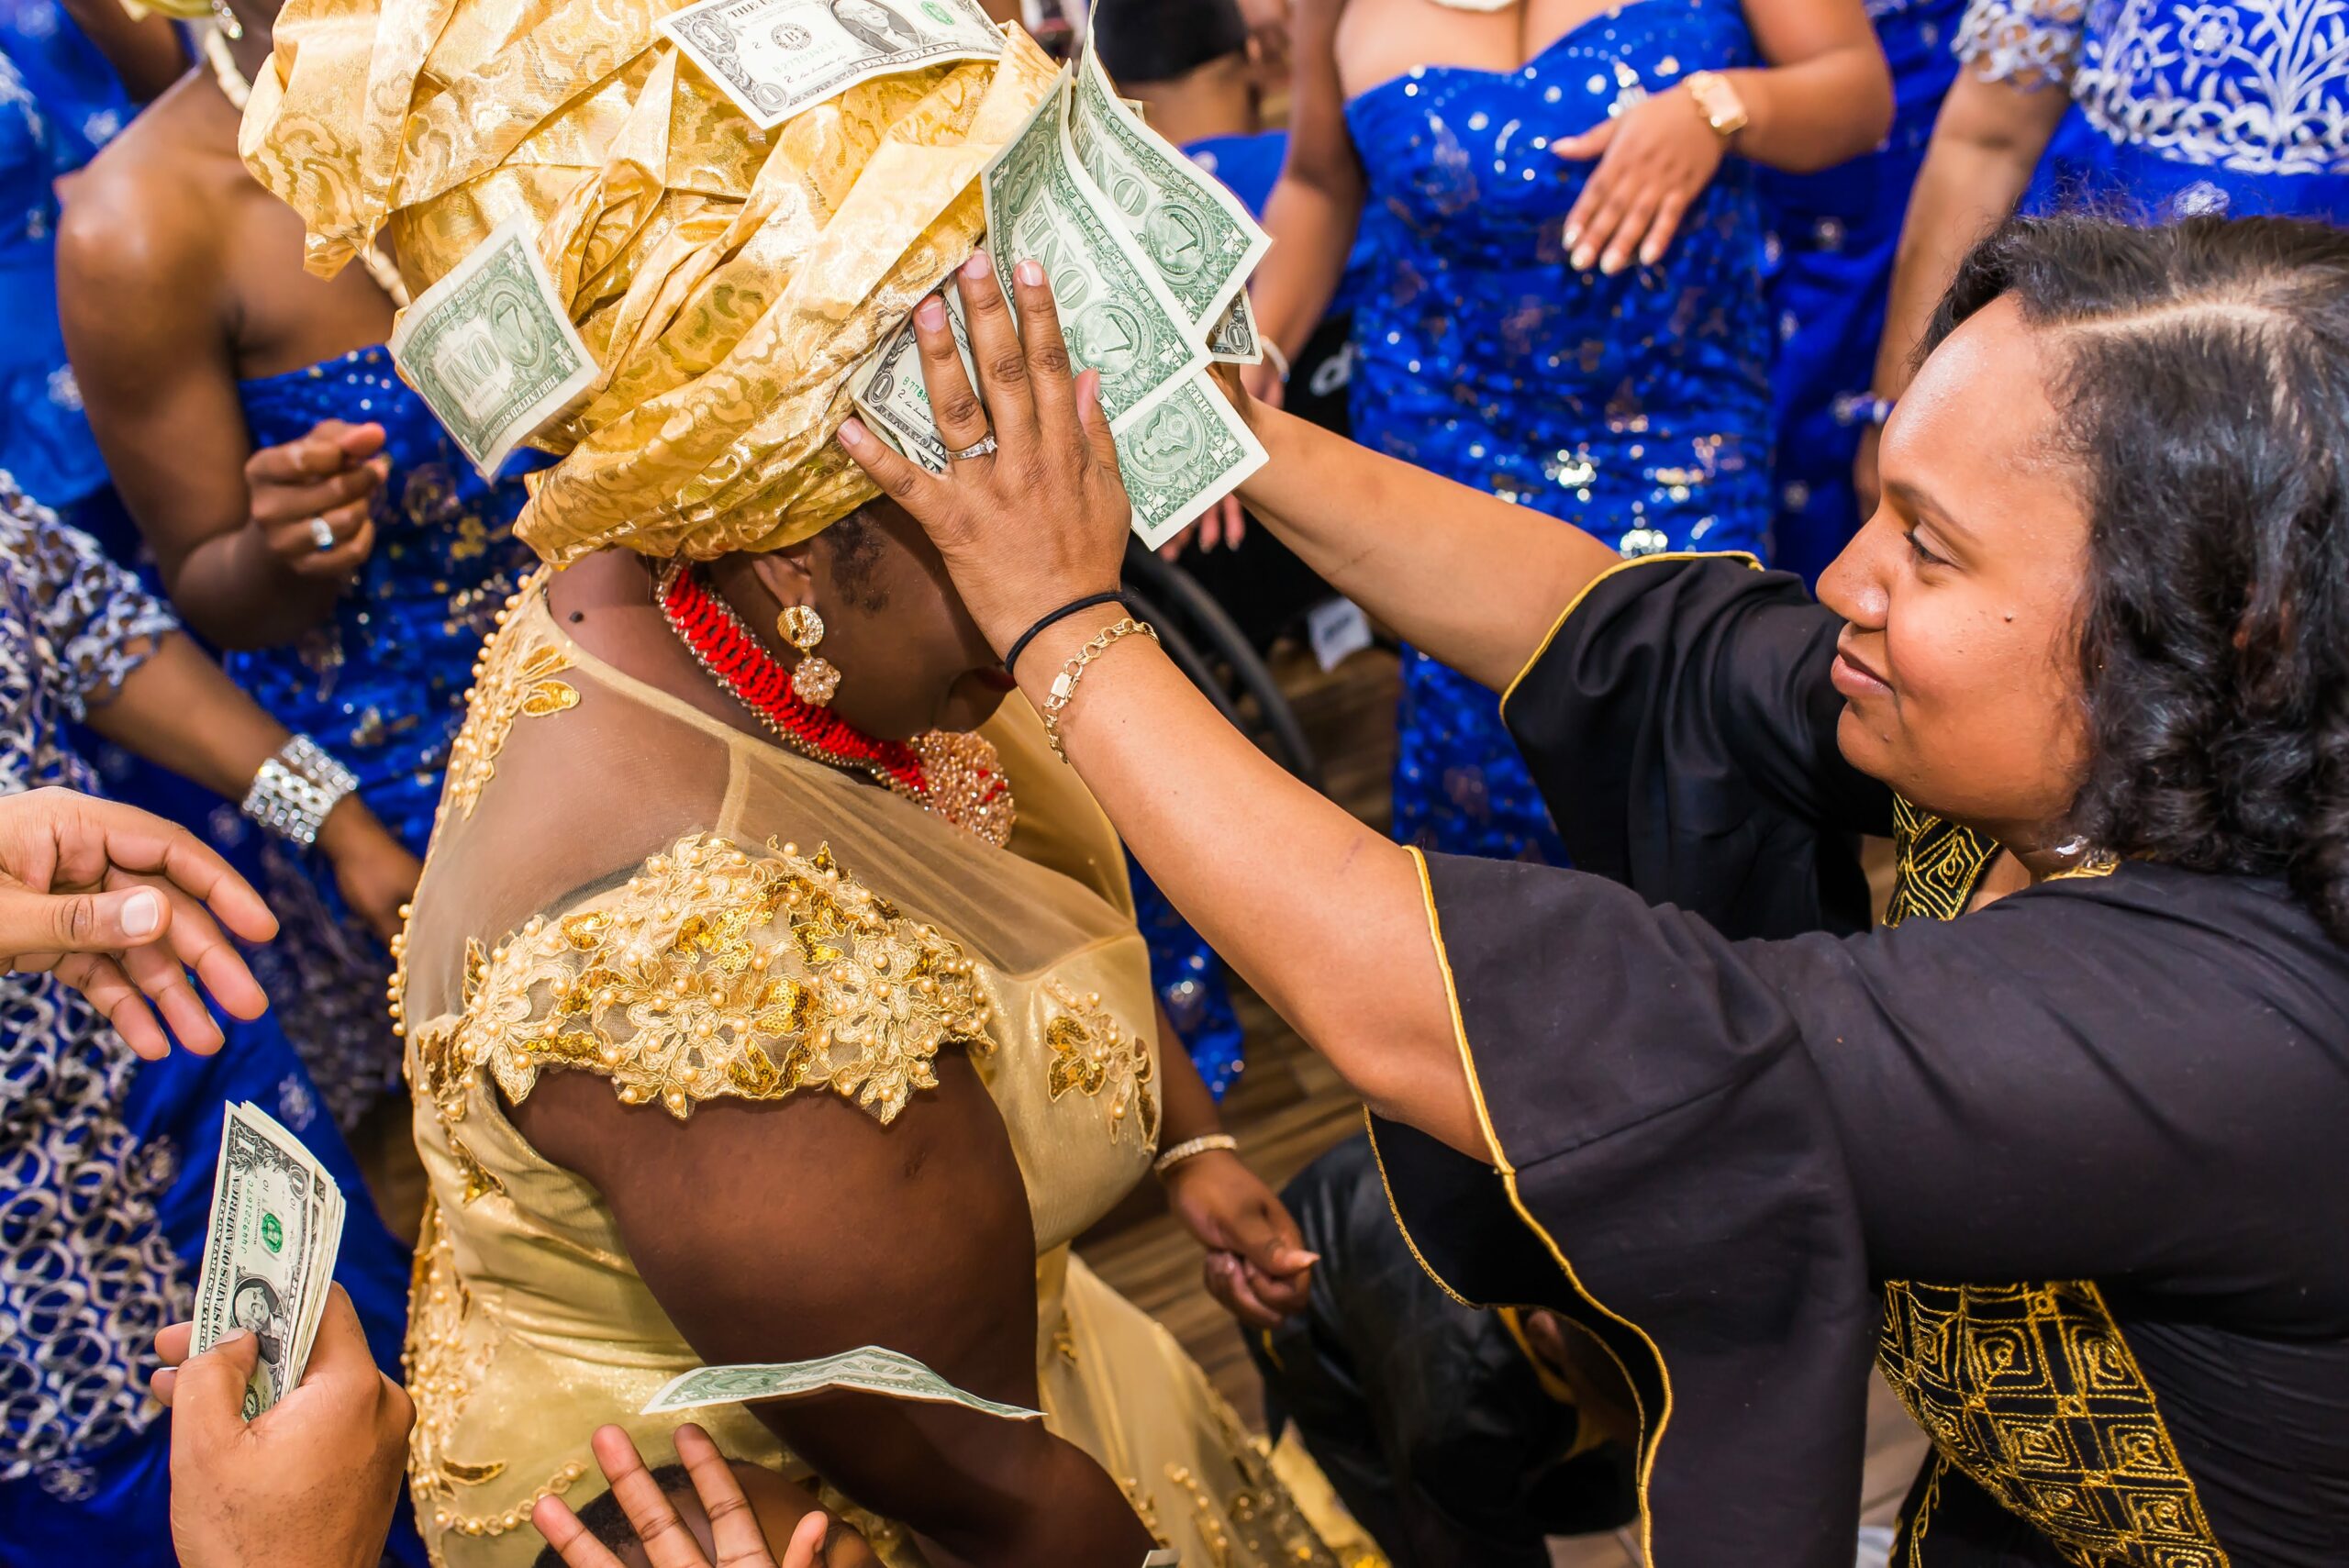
(1148, 256)
(269, 1251)
(1148, 259)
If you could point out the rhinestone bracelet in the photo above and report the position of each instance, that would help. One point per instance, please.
(1065, 683)
(293, 792)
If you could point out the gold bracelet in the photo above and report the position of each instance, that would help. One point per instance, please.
(1065, 683)
(1209, 1144)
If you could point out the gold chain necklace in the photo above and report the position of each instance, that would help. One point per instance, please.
(239, 91)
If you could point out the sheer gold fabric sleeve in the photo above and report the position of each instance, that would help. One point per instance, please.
(726, 278)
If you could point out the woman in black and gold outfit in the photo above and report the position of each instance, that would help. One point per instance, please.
(2068, 1167)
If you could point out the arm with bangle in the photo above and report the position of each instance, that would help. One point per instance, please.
(180, 711)
(1266, 869)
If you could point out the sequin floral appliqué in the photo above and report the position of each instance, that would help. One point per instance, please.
(1093, 1055)
(514, 678)
(714, 970)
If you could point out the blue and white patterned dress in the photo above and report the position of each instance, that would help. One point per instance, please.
(2181, 107)
(106, 1161)
(1637, 406)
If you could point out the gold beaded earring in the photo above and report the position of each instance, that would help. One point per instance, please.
(813, 679)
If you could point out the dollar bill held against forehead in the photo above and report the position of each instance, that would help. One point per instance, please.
(491, 349)
(777, 58)
(870, 1370)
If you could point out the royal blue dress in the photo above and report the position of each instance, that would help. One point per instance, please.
(2180, 106)
(106, 1162)
(1636, 407)
(1832, 235)
(59, 102)
(381, 685)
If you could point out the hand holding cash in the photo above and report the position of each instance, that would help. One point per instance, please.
(269, 1252)
(312, 1481)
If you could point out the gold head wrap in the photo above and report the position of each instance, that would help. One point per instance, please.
(726, 278)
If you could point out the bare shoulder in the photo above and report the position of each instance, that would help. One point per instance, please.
(149, 211)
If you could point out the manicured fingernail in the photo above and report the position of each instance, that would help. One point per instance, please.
(930, 314)
(1031, 273)
(852, 434)
(1574, 232)
(1583, 259)
(1612, 265)
(142, 912)
(978, 266)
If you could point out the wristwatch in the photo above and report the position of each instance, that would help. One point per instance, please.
(1718, 101)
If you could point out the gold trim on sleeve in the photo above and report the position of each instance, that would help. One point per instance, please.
(1650, 1441)
(1583, 592)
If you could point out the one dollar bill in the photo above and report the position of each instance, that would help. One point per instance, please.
(1233, 340)
(491, 349)
(776, 58)
(1178, 455)
(1115, 311)
(1200, 239)
(870, 1370)
(269, 1251)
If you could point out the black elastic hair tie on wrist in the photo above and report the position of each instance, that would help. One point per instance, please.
(1071, 607)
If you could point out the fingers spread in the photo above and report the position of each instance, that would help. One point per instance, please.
(733, 1528)
(552, 1518)
(117, 1000)
(666, 1540)
(904, 482)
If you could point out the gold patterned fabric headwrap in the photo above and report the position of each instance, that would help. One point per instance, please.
(726, 279)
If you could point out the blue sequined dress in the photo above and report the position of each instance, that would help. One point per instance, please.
(106, 1161)
(381, 685)
(2180, 106)
(1832, 235)
(1637, 406)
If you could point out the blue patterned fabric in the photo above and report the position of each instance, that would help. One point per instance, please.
(381, 685)
(59, 102)
(2181, 107)
(1833, 236)
(1637, 406)
(106, 1161)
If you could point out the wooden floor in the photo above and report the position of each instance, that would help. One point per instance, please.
(1287, 1107)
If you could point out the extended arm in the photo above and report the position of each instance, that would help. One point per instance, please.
(778, 1232)
(1389, 537)
(1322, 916)
(144, 52)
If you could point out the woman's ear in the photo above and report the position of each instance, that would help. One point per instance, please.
(786, 573)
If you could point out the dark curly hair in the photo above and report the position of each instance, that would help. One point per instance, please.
(2202, 376)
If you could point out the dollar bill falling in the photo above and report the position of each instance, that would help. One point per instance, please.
(870, 1370)
(269, 1250)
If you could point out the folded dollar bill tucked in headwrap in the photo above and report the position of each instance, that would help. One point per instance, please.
(725, 279)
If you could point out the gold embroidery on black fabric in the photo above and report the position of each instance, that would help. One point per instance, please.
(1939, 865)
(2031, 1390)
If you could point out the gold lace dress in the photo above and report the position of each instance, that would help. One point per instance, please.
(620, 885)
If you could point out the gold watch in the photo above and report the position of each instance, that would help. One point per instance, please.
(1718, 101)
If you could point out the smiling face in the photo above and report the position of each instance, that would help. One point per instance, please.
(1963, 594)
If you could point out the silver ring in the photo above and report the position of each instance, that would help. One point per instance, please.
(979, 448)
(321, 534)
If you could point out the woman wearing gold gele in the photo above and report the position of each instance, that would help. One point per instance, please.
(756, 1008)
